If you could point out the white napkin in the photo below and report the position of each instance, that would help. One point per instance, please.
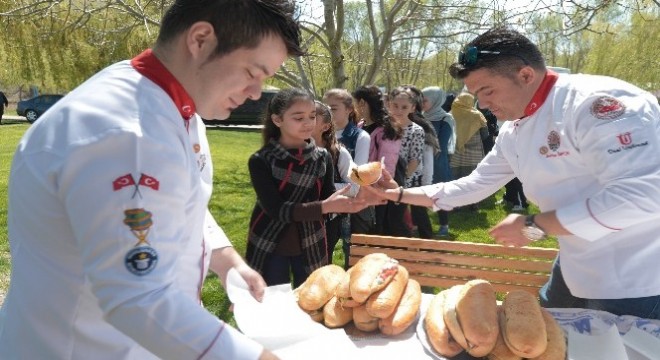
(275, 322)
(605, 346)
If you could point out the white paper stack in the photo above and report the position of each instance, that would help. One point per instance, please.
(279, 324)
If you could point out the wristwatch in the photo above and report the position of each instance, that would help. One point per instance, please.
(532, 231)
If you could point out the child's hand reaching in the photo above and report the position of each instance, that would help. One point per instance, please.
(338, 202)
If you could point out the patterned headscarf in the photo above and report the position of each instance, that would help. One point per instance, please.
(468, 119)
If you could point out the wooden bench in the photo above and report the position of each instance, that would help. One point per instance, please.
(441, 263)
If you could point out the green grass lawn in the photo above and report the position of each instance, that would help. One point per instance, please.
(232, 202)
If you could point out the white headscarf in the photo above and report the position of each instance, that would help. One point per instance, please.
(436, 97)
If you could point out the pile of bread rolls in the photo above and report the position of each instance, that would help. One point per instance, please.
(467, 317)
(376, 293)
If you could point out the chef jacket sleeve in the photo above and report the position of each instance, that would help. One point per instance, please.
(617, 135)
(214, 234)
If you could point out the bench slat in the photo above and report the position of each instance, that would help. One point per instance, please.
(456, 259)
(447, 283)
(472, 273)
(444, 245)
(441, 263)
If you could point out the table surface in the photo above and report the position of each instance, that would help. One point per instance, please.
(338, 344)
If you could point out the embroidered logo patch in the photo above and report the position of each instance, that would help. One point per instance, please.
(142, 258)
(625, 138)
(552, 149)
(628, 142)
(607, 107)
(128, 180)
(553, 140)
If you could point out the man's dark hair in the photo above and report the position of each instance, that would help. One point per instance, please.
(237, 23)
(502, 50)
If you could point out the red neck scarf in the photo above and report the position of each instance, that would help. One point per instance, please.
(148, 65)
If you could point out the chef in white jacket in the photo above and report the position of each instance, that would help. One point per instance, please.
(586, 149)
(109, 230)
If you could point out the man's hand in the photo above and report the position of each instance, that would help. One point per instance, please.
(509, 231)
(386, 181)
(370, 196)
(254, 280)
(223, 259)
(376, 194)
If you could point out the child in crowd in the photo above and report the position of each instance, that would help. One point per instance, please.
(337, 225)
(385, 144)
(356, 141)
(369, 107)
(420, 216)
(344, 117)
(294, 183)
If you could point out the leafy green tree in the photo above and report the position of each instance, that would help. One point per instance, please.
(56, 44)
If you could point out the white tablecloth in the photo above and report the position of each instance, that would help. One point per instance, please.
(338, 345)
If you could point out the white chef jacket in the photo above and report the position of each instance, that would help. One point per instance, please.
(109, 230)
(591, 152)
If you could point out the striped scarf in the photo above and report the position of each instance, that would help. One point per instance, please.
(298, 174)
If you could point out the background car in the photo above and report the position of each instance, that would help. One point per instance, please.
(249, 113)
(33, 108)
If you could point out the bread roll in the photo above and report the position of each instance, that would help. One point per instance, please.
(316, 315)
(370, 274)
(556, 349)
(476, 309)
(344, 291)
(362, 320)
(366, 174)
(451, 317)
(319, 287)
(334, 315)
(501, 351)
(437, 333)
(382, 303)
(522, 326)
(405, 313)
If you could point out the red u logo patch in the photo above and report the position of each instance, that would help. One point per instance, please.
(625, 138)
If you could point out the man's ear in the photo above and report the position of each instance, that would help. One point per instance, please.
(527, 75)
(201, 40)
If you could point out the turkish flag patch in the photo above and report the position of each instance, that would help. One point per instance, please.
(607, 107)
(149, 181)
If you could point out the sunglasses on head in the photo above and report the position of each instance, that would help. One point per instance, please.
(468, 56)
